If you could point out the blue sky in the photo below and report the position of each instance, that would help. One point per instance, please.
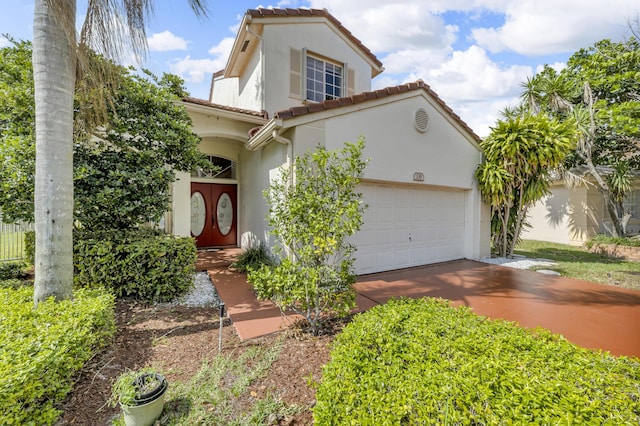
(473, 53)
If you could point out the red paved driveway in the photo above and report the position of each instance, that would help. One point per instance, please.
(590, 315)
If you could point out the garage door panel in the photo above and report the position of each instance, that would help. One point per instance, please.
(419, 256)
(406, 227)
(402, 258)
(384, 259)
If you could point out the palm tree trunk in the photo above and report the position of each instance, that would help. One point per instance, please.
(603, 187)
(54, 72)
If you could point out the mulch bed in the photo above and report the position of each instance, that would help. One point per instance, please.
(178, 340)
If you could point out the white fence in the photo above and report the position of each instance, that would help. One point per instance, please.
(12, 240)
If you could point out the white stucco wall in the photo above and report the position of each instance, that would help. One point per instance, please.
(567, 216)
(271, 60)
(181, 205)
(397, 150)
(258, 167)
(245, 91)
(318, 39)
(219, 147)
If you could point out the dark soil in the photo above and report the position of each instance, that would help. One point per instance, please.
(177, 340)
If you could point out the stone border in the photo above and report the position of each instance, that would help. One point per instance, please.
(621, 252)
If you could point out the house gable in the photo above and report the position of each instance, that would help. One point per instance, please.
(286, 57)
(360, 99)
(252, 27)
(445, 154)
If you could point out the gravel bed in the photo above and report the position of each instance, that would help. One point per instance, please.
(203, 294)
(518, 262)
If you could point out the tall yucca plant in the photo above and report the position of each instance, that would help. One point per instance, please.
(519, 153)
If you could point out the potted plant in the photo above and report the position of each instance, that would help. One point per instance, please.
(140, 393)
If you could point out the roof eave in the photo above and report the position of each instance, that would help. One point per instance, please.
(263, 136)
(222, 113)
(237, 57)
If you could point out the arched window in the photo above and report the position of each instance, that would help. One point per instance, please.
(221, 168)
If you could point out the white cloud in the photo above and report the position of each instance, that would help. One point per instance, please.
(4, 42)
(166, 41)
(537, 27)
(385, 26)
(558, 66)
(222, 49)
(194, 70)
(472, 75)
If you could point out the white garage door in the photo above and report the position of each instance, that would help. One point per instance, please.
(405, 227)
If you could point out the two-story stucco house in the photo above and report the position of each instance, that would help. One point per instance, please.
(297, 78)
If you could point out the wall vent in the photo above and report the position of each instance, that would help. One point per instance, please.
(421, 120)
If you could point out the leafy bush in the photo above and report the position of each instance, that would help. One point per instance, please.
(30, 247)
(424, 362)
(253, 258)
(313, 219)
(313, 292)
(11, 270)
(136, 264)
(42, 349)
(618, 241)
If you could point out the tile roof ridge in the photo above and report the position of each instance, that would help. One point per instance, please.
(371, 95)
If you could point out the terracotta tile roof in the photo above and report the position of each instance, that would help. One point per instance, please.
(367, 96)
(260, 13)
(197, 101)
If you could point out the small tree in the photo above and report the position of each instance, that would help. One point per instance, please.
(314, 208)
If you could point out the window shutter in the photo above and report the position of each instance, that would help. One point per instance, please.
(351, 82)
(295, 74)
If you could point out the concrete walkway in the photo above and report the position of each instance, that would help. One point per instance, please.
(590, 315)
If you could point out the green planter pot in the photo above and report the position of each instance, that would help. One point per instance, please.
(146, 408)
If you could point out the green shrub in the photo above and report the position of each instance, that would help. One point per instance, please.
(424, 362)
(11, 270)
(16, 283)
(253, 258)
(137, 264)
(30, 247)
(43, 348)
(618, 241)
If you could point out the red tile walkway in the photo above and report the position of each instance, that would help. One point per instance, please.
(591, 315)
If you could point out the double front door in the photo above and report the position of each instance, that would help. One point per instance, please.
(213, 214)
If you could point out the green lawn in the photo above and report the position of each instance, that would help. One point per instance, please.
(10, 242)
(577, 262)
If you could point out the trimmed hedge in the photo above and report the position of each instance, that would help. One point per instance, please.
(43, 348)
(138, 264)
(618, 241)
(424, 362)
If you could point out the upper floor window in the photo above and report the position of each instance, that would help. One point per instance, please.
(324, 80)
